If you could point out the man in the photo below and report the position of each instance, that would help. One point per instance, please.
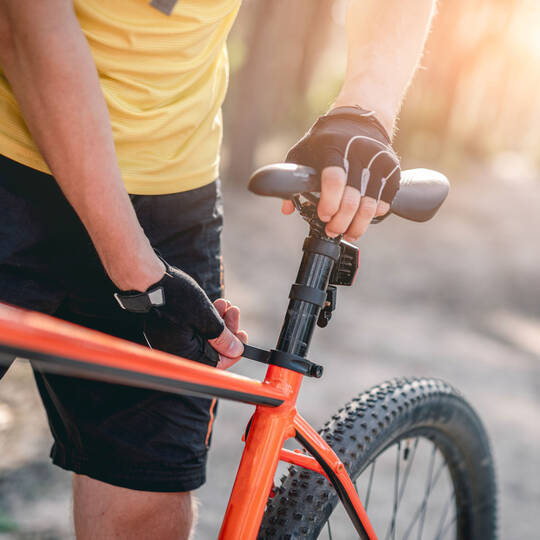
(110, 130)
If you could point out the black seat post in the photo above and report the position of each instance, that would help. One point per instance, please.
(308, 293)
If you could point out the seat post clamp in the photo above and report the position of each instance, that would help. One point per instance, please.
(284, 359)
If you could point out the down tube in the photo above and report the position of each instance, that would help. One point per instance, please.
(337, 474)
(269, 429)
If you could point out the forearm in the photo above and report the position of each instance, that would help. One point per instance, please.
(385, 42)
(51, 71)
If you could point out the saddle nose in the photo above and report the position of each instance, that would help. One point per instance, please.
(284, 180)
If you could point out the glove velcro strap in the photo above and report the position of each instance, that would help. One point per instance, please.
(355, 112)
(141, 302)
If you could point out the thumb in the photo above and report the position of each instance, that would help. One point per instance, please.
(287, 207)
(227, 344)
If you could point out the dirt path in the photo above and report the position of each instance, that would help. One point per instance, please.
(458, 298)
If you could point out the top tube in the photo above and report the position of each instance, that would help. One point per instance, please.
(58, 346)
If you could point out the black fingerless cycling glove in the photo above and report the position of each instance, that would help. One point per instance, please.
(352, 138)
(179, 316)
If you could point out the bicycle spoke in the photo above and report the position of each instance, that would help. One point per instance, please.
(428, 492)
(392, 527)
(396, 491)
(429, 487)
(446, 508)
(447, 528)
(368, 492)
(410, 457)
(329, 530)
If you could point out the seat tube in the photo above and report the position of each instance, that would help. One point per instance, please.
(270, 427)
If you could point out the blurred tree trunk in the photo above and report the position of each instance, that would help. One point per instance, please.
(457, 63)
(317, 34)
(284, 44)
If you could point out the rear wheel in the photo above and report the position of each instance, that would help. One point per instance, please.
(421, 463)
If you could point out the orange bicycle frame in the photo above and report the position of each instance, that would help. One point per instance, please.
(69, 349)
(58, 346)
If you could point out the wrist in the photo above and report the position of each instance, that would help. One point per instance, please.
(137, 272)
(383, 113)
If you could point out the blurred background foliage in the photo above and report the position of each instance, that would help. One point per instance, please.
(474, 98)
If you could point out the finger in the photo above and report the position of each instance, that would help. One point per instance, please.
(382, 208)
(333, 180)
(347, 210)
(225, 362)
(223, 301)
(287, 207)
(362, 219)
(232, 319)
(227, 344)
(242, 335)
(391, 187)
(385, 167)
(221, 305)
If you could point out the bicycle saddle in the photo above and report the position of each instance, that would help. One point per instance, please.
(421, 191)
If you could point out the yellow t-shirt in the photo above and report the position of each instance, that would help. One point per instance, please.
(164, 78)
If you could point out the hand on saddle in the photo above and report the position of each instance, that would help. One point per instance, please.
(360, 171)
(180, 318)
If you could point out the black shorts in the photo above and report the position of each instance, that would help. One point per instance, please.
(125, 436)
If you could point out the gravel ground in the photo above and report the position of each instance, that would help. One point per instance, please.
(457, 298)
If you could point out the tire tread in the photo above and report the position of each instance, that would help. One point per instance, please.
(304, 499)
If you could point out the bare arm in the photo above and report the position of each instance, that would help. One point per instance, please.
(48, 64)
(385, 42)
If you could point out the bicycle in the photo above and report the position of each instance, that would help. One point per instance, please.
(406, 417)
